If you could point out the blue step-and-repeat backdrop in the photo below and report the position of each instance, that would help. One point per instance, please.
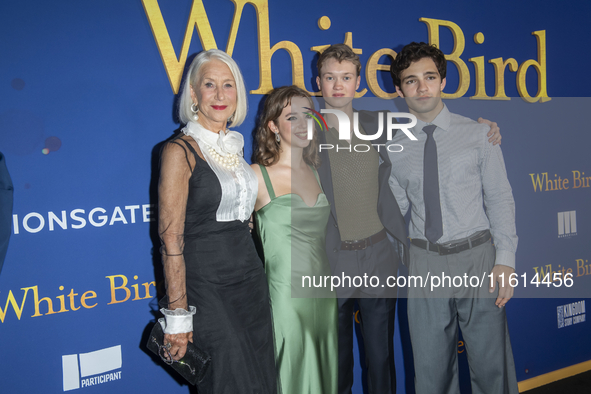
(87, 92)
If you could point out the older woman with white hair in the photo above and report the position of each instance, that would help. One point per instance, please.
(216, 288)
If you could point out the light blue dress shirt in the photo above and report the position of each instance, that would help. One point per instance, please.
(472, 176)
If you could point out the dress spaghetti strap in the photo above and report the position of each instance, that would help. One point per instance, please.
(317, 178)
(197, 157)
(267, 182)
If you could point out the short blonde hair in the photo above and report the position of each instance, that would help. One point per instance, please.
(341, 53)
(185, 102)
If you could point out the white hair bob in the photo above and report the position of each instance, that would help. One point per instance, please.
(185, 113)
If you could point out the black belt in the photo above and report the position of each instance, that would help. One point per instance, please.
(453, 247)
(360, 244)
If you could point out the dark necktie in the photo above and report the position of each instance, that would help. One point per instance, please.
(433, 220)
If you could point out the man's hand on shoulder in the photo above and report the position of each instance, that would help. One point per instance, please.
(495, 132)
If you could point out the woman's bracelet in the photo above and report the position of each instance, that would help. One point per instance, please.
(163, 252)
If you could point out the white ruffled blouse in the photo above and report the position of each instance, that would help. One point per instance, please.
(239, 183)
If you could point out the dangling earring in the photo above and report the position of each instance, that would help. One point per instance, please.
(278, 138)
(195, 109)
(231, 118)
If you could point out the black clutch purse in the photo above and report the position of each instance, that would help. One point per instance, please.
(193, 366)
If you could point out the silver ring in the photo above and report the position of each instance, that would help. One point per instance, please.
(168, 345)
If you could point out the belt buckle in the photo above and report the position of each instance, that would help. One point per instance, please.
(359, 244)
(444, 249)
(362, 244)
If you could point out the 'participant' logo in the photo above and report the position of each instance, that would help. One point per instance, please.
(89, 369)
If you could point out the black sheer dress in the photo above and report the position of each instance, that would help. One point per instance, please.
(226, 282)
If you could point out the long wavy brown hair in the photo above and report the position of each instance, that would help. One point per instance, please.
(267, 148)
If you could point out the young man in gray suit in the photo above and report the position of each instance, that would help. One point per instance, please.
(446, 176)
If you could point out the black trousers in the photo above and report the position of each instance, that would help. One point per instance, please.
(376, 316)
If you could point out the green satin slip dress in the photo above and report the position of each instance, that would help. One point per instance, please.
(305, 322)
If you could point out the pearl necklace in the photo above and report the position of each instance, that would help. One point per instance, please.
(230, 161)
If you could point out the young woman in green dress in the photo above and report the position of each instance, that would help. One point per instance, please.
(291, 213)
